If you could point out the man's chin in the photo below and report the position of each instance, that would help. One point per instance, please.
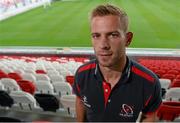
(104, 63)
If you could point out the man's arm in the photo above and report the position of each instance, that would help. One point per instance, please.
(152, 117)
(80, 110)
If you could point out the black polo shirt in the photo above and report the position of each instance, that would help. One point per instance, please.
(137, 90)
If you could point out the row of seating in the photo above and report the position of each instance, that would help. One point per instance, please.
(57, 88)
(169, 69)
(169, 74)
(20, 100)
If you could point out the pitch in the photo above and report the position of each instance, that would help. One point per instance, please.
(155, 24)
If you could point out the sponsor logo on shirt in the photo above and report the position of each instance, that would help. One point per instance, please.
(126, 111)
(85, 101)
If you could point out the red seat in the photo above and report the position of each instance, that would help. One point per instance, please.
(169, 111)
(40, 72)
(27, 86)
(178, 77)
(169, 76)
(70, 79)
(3, 75)
(160, 72)
(175, 72)
(175, 83)
(14, 76)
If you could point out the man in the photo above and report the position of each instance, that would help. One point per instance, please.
(112, 87)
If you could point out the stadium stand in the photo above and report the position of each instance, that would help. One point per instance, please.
(45, 76)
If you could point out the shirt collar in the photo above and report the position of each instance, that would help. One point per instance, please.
(125, 74)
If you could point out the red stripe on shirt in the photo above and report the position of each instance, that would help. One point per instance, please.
(147, 102)
(87, 67)
(142, 74)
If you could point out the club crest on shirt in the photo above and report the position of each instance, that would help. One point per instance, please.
(126, 111)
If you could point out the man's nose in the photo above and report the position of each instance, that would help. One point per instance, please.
(104, 43)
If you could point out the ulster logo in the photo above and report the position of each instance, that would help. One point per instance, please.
(126, 111)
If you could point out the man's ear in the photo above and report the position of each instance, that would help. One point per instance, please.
(129, 37)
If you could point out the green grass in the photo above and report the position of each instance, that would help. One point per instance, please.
(155, 23)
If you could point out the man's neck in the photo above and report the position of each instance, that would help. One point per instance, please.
(113, 74)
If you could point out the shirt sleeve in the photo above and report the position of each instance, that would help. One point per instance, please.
(76, 87)
(153, 100)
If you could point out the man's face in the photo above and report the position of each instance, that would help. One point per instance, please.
(108, 40)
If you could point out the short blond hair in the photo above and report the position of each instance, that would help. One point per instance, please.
(107, 9)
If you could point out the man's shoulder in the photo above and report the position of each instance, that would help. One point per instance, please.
(143, 72)
(87, 66)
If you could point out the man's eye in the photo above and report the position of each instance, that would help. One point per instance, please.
(114, 35)
(95, 36)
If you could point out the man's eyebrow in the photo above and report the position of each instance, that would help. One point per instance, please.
(94, 33)
(113, 32)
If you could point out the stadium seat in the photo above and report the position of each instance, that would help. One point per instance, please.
(44, 87)
(47, 102)
(3, 75)
(70, 79)
(29, 77)
(15, 76)
(9, 119)
(175, 72)
(29, 71)
(5, 99)
(175, 83)
(42, 77)
(40, 72)
(24, 100)
(169, 76)
(62, 88)
(173, 94)
(52, 72)
(165, 83)
(10, 84)
(178, 76)
(68, 102)
(168, 111)
(57, 78)
(1, 86)
(27, 86)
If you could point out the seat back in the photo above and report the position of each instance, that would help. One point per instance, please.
(70, 79)
(10, 84)
(47, 102)
(68, 102)
(62, 88)
(27, 86)
(44, 87)
(9, 119)
(24, 100)
(169, 111)
(29, 77)
(173, 94)
(57, 78)
(15, 76)
(5, 99)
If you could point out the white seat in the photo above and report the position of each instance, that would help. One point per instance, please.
(24, 100)
(52, 72)
(62, 88)
(1, 86)
(57, 78)
(30, 71)
(42, 77)
(44, 87)
(10, 84)
(68, 102)
(29, 76)
(173, 94)
(165, 83)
